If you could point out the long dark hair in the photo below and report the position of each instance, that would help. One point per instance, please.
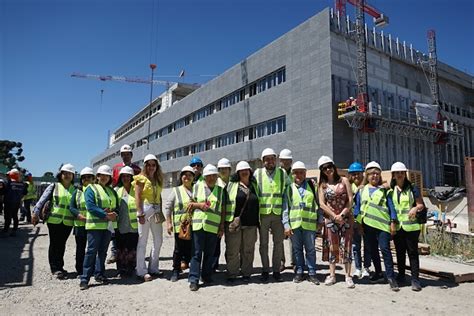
(406, 183)
(236, 178)
(59, 174)
(323, 179)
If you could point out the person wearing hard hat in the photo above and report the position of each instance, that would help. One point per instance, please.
(127, 232)
(374, 209)
(408, 202)
(286, 160)
(175, 213)
(28, 199)
(197, 164)
(356, 177)
(335, 198)
(300, 220)
(208, 225)
(148, 187)
(272, 183)
(13, 194)
(243, 204)
(126, 154)
(101, 219)
(60, 220)
(78, 208)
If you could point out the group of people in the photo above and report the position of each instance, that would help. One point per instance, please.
(210, 203)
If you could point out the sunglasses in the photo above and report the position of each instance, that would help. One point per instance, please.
(327, 167)
(196, 165)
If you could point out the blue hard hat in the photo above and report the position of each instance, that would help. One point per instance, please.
(195, 161)
(356, 167)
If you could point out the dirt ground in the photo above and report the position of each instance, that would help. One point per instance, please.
(27, 287)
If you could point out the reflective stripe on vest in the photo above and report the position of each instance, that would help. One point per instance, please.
(104, 198)
(374, 210)
(60, 212)
(180, 205)
(403, 207)
(131, 205)
(210, 219)
(302, 211)
(271, 192)
(81, 206)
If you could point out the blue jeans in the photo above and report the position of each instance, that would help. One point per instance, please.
(304, 238)
(357, 253)
(97, 244)
(204, 243)
(376, 239)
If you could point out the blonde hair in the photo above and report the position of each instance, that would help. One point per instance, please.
(366, 176)
(158, 175)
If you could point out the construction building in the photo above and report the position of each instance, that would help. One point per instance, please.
(287, 95)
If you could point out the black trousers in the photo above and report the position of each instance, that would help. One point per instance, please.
(80, 235)
(407, 242)
(11, 212)
(26, 210)
(58, 235)
(182, 252)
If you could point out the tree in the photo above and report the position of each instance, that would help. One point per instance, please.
(11, 153)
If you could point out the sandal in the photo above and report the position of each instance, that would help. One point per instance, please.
(330, 280)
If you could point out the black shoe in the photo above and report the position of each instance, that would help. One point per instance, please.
(207, 281)
(193, 287)
(231, 281)
(59, 275)
(415, 285)
(264, 277)
(298, 278)
(246, 279)
(313, 279)
(393, 285)
(376, 278)
(277, 277)
(174, 276)
(101, 279)
(400, 279)
(83, 286)
(13, 233)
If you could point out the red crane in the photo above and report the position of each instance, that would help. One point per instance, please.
(120, 78)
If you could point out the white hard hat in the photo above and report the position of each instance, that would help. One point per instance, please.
(127, 170)
(14, 170)
(268, 152)
(242, 165)
(87, 170)
(209, 170)
(285, 154)
(398, 166)
(324, 160)
(373, 164)
(149, 157)
(223, 163)
(125, 149)
(68, 168)
(187, 169)
(104, 169)
(298, 166)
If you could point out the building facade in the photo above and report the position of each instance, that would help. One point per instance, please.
(285, 96)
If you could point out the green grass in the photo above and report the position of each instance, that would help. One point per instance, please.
(454, 246)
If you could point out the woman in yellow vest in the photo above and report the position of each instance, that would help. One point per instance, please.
(243, 203)
(335, 199)
(101, 220)
(408, 201)
(60, 220)
(375, 211)
(126, 233)
(175, 212)
(208, 224)
(79, 210)
(148, 186)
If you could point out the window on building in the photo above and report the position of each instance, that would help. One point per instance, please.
(209, 144)
(253, 89)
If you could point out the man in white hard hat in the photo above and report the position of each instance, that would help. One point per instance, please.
(286, 160)
(272, 183)
(127, 155)
(13, 193)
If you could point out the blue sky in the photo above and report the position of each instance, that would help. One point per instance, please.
(62, 119)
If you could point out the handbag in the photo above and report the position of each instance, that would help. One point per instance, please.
(47, 206)
(159, 217)
(421, 216)
(235, 225)
(185, 228)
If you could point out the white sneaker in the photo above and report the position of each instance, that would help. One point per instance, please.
(365, 273)
(330, 280)
(357, 273)
(349, 282)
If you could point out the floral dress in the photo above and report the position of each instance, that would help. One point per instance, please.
(337, 239)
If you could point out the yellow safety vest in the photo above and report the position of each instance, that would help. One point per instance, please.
(104, 198)
(31, 194)
(60, 212)
(271, 191)
(81, 206)
(131, 205)
(210, 219)
(180, 205)
(403, 207)
(302, 210)
(374, 210)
